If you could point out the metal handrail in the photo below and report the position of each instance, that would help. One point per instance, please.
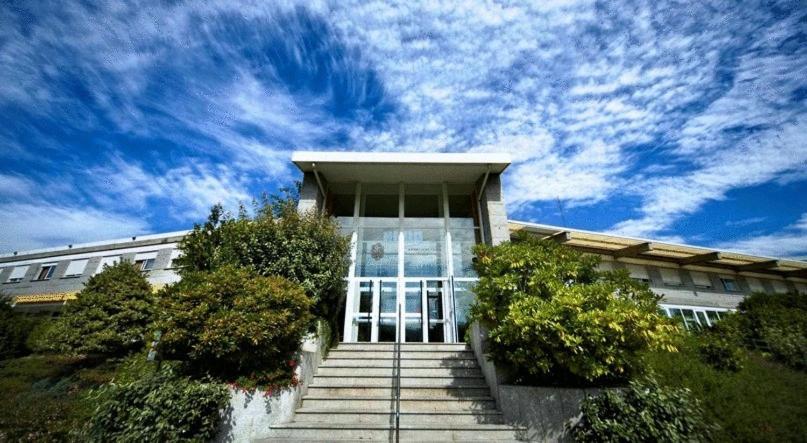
(398, 378)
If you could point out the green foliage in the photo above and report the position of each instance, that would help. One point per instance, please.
(554, 318)
(15, 328)
(644, 411)
(234, 324)
(44, 396)
(157, 408)
(110, 316)
(764, 401)
(780, 321)
(304, 248)
(721, 345)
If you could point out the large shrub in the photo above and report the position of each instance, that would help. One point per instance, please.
(157, 408)
(304, 248)
(15, 328)
(644, 411)
(110, 316)
(780, 321)
(554, 318)
(234, 324)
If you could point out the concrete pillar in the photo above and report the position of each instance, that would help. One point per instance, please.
(494, 212)
(310, 197)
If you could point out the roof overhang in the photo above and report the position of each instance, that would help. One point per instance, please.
(683, 255)
(400, 167)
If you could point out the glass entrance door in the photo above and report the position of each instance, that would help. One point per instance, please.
(426, 311)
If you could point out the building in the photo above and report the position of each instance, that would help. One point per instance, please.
(413, 219)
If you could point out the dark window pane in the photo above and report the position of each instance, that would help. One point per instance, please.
(364, 331)
(436, 333)
(380, 206)
(422, 206)
(366, 297)
(389, 297)
(414, 330)
(460, 206)
(342, 205)
(386, 329)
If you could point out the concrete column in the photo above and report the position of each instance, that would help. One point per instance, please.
(494, 212)
(310, 197)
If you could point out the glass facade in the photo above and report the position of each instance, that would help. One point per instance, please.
(413, 248)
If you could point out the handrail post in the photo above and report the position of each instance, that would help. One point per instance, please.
(398, 376)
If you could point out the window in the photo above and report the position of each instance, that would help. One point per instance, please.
(342, 205)
(670, 277)
(694, 317)
(145, 261)
(107, 261)
(423, 201)
(46, 271)
(17, 274)
(381, 205)
(460, 206)
(638, 273)
(75, 268)
(754, 284)
(729, 284)
(701, 280)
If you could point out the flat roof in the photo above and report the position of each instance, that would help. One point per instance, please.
(631, 247)
(400, 167)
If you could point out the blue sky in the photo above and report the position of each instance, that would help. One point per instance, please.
(673, 121)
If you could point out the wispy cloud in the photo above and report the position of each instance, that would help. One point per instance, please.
(788, 242)
(146, 108)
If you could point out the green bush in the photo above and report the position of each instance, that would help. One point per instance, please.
(157, 408)
(554, 319)
(234, 324)
(110, 316)
(764, 401)
(304, 248)
(15, 328)
(780, 321)
(644, 411)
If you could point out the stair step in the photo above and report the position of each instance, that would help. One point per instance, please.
(333, 371)
(405, 354)
(384, 403)
(406, 393)
(406, 381)
(404, 347)
(364, 416)
(332, 362)
(477, 432)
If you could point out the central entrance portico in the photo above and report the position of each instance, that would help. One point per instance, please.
(413, 220)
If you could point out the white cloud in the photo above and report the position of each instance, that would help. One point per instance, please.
(31, 226)
(789, 242)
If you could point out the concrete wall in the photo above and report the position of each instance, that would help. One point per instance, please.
(310, 196)
(545, 412)
(494, 212)
(251, 415)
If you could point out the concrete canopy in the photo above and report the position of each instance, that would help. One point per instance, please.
(400, 167)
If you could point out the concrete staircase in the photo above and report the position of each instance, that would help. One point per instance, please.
(443, 397)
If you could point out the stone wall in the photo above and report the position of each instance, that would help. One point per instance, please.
(251, 415)
(545, 412)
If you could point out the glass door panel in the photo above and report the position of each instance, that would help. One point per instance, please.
(435, 310)
(463, 299)
(413, 311)
(363, 312)
(388, 313)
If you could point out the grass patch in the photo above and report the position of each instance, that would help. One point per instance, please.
(45, 397)
(764, 401)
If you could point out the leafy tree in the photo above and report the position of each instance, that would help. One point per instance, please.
(234, 324)
(643, 412)
(780, 321)
(15, 327)
(158, 407)
(553, 317)
(304, 248)
(110, 316)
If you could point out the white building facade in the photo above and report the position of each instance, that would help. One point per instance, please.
(413, 220)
